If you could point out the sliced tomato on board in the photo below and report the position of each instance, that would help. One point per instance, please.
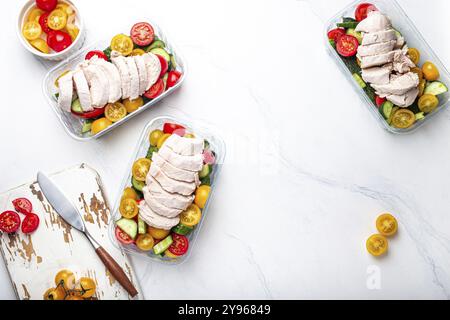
(123, 237)
(46, 5)
(363, 10)
(335, 34)
(173, 78)
(30, 223)
(180, 245)
(347, 46)
(172, 128)
(43, 21)
(379, 101)
(58, 40)
(164, 65)
(91, 114)
(156, 90)
(97, 53)
(22, 205)
(9, 222)
(142, 34)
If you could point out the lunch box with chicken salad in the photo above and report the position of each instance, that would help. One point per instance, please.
(399, 76)
(104, 85)
(167, 189)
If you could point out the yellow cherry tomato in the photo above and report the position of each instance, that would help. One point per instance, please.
(419, 72)
(141, 168)
(430, 71)
(377, 245)
(145, 242)
(66, 279)
(130, 193)
(414, 55)
(123, 44)
(128, 208)
(100, 125)
(32, 30)
(40, 45)
(55, 294)
(87, 287)
(133, 105)
(73, 31)
(170, 255)
(35, 14)
(162, 140)
(403, 119)
(137, 52)
(158, 234)
(115, 111)
(387, 225)
(155, 135)
(428, 103)
(201, 196)
(191, 216)
(68, 9)
(57, 20)
(422, 86)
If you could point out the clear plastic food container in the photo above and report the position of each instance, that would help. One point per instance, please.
(73, 124)
(200, 130)
(414, 39)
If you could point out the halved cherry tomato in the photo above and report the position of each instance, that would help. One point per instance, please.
(162, 140)
(35, 14)
(97, 53)
(141, 168)
(30, 223)
(46, 5)
(137, 52)
(379, 101)
(156, 90)
(347, 46)
(58, 40)
(158, 234)
(202, 195)
(115, 112)
(173, 78)
(172, 128)
(9, 222)
(99, 125)
(387, 225)
(91, 114)
(142, 34)
(430, 71)
(123, 44)
(428, 103)
(145, 242)
(414, 55)
(128, 208)
(43, 21)
(180, 245)
(22, 205)
(123, 237)
(191, 216)
(363, 10)
(377, 245)
(164, 65)
(32, 30)
(335, 34)
(403, 119)
(41, 45)
(57, 20)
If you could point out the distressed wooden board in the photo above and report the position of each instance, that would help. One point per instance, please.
(33, 260)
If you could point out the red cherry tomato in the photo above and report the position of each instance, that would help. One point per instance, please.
(43, 21)
(209, 157)
(123, 237)
(180, 245)
(58, 40)
(9, 222)
(142, 34)
(173, 78)
(335, 34)
(23, 205)
(379, 101)
(164, 65)
(97, 53)
(156, 90)
(363, 10)
(30, 223)
(347, 46)
(172, 128)
(46, 5)
(91, 114)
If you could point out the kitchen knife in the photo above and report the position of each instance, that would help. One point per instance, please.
(71, 215)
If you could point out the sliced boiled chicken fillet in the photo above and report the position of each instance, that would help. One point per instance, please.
(174, 172)
(185, 146)
(134, 77)
(114, 78)
(379, 37)
(98, 83)
(65, 84)
(171, 185)
(377, 60)
(120, 62)
(189, 163)
(155, 220)
(143, 74)
(402, 63)
(170, 200)
(153, 68)
(376, 49)
(400, 86)
(375, 21)
(83, 91)
(377, 75)
(157, 206)
(406, 100)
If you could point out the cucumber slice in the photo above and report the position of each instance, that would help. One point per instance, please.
(76, 106)
(206, 181)
(173, 62)
(138, 185)
(87, 126)
(357, 35)
(386, 109)
(182, 230)
(163, 245)
(163, 53)
(436, 88)
(206, 170)
(142, 227)
(150, 152)
(359, 80)
(166, 76)
(156, 44)
(420, 116)
(129, 226)
(391, 117)
(348, 25)
(348, 19)
(333, 43)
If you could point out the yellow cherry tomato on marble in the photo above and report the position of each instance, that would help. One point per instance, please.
(55, 294)
(158, 234)
(387, 225)
(377, 245)
(133, 105)
(430, 71)
(66, 279)
(202, 195)
(123, 44)
(100, 125)
(32, 30)
(87, 287)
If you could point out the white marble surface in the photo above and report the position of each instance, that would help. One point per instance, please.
(308, 169)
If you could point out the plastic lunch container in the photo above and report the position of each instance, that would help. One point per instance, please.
(200, 130)
(413, 38)
(73, 124)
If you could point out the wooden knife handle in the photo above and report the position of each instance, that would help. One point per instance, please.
(116, 271)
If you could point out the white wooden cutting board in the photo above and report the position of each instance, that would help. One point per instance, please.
(33, 260)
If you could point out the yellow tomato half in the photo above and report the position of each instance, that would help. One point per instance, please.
(115, 112)
(35, 14)
(128, 208)
(137, 52)
(40, 45)
(145, 242)
(387, 225)
(123, 44)
(403, 119)
(100, 125)
(155, 135)
(57, 20)
(73, 31)
(32, 30)
(414, 55)
(162, 139)
(377, 245)
(130, 193)
(141, 168)
(428, 103)
(191, 216)
(201, 196)
(133, 105)
(158, 234)
(430, 71)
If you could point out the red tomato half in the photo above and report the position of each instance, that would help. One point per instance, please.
(172, 128)
(347, 46)
(91, 114)
(123, 237)
(9, 222)
(335, 34)
(46, 5)
(173, 78)
(379, 101)
(142, 34)
(43, 21)
(23, 205)
(97, 53)
(363, 10)
(156, 90)
(58, 40)
(30, 223)
(180, 245)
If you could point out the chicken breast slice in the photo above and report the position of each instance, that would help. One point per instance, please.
(155, 220)
(399, 86)
(154, 203)
(185, 146)
(378, 37)
(121, 65)
(406, 100)
(190, 163)
(153, 68)
(174, 172)
(98, 83)
(143, 74)
(402, 63)
(83, 91)
(134, 77)
(377, 48)
(377, 75)
(375, 21)
(65, 84)
(171, 185)
(376, 61)
(114, 78)
(170, 200)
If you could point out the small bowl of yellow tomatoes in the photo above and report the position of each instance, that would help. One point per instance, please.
(51, 29)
